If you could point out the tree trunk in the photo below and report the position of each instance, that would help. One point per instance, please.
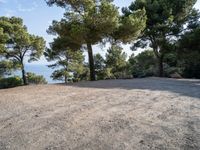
(65, 79)
(160, 67)
(91, 62)
(24, 75)
(160, 58)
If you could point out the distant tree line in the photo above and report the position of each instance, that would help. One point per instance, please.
(167, 30)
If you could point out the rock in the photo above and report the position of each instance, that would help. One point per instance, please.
(175, 75)
(142, 142)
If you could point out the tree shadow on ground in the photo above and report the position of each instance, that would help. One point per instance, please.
(185, 87)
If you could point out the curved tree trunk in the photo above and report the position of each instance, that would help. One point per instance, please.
(91, 62)
(24, 76)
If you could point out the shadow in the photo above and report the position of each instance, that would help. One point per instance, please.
(186, 87)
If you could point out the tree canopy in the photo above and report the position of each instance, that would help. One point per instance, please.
(189, 53)
(166, 19)
(19, 44)
(116, 60)
(88, 22)
(69, 63)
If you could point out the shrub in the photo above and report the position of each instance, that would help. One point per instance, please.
(10, 82)
(143, 65)
(35, 79)
(171, 70)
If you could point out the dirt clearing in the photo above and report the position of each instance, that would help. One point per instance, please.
(138, 114)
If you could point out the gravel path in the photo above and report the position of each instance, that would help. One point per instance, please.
(138, 114)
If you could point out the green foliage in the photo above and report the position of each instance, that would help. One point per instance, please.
(189, 53)
(169, 71)
(116, 60)
(191, 65)
(10, 82)
(102, 71)
(90, 22)
(99, 64)
(62, 75)
(171, 28)
(35, 79)
(85, 75)
(87, 22)
(143, 65)
(166, 20)
(171, 59)
(6, 67)
(3, 39)
(69, 63)
(171, 64)
(130, 27)
(190, 41)
(19, 43)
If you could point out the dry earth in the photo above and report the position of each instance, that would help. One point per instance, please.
(138, 114)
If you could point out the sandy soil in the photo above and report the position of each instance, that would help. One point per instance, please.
(139, 114)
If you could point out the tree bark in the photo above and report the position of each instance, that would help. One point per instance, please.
(66, 80)
(160, 58)
(160, 66)
(91, 62)
(24, 76)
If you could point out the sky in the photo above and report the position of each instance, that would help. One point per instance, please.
(38, 16)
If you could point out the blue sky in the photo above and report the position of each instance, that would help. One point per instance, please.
(38, 16)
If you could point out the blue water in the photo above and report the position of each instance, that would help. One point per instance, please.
(39, 70)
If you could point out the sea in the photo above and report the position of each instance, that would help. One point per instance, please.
(39, 69)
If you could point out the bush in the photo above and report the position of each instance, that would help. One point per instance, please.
(106, 73)
(35, 79)
(168, 71)
(10, 82)
(143, 65)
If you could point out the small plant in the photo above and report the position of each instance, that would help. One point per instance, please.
(35, 79)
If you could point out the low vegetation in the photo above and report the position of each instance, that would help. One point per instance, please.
(10, 82)
(32, 78)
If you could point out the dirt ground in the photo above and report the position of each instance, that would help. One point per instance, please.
(138, 114)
